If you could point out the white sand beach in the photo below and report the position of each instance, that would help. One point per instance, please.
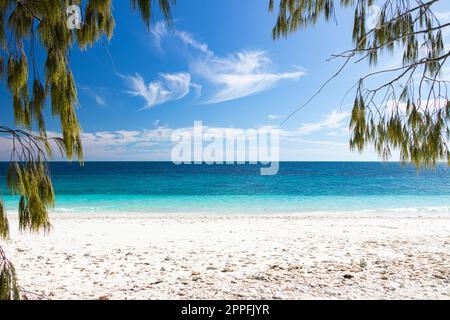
(236, 257)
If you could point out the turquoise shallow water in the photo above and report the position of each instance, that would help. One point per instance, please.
(162, 187)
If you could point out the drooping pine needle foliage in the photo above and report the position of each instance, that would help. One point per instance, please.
(25, 27)
(410, 111)
(4, 225)
(9, 289)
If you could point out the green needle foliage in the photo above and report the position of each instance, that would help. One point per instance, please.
(409, 110)
(4, 225)
(9, 289)
(27, 26)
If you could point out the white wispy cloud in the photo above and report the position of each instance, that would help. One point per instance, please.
(240, 74)
(156, 143)
(189, 39)
(333, 120)
(100, 100)
(160, 31)
(237, 75)
(394, 106)
(340, 132)
(171, 86)
(131, 139)
(94, 95)
(373, 16)
(274, 117)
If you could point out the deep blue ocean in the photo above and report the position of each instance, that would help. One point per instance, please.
(299, 187)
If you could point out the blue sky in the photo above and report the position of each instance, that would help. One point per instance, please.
(219, 65)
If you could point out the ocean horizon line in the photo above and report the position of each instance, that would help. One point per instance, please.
(235, 163)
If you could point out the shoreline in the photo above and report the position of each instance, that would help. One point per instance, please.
(312, 256)
(433, 212)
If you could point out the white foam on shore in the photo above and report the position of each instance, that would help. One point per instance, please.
(439, 211)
